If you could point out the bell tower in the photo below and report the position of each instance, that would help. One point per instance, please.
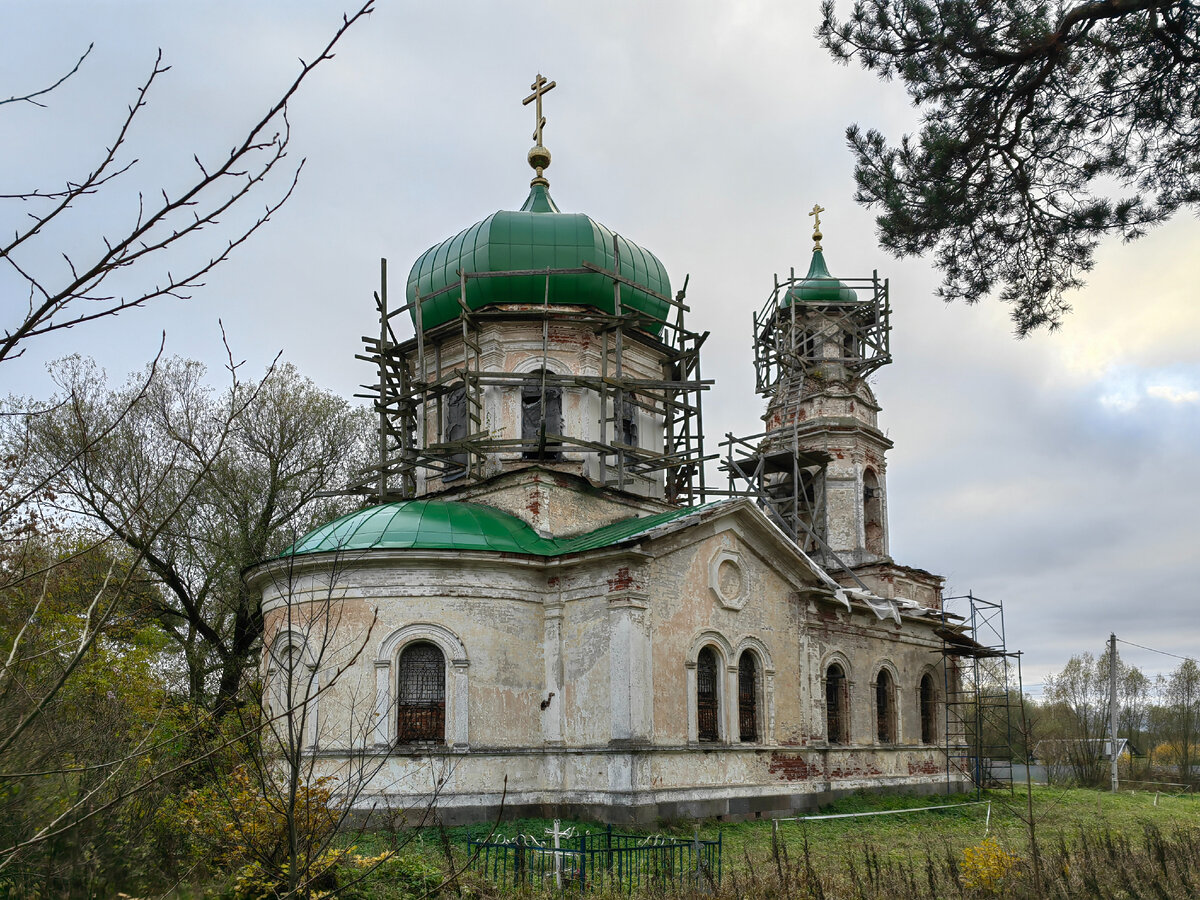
(819, 468)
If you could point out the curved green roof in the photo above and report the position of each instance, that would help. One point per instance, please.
(819, 286)
(458, 525)
(537, 236)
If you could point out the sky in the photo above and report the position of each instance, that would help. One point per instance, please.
(1055, 474)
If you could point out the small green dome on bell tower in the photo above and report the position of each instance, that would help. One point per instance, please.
(818, 285)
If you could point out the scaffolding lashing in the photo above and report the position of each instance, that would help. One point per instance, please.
(798, 336)
(432, 391)
(981, 741)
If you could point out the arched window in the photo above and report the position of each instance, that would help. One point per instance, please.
(885, 708)
(707, 703)
(873, 512)
(747, 697)
(928, 710)
(837, 712)
(421, 694)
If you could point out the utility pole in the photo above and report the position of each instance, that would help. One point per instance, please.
(1112, 705)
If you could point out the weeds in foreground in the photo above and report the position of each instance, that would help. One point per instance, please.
(1097, 863)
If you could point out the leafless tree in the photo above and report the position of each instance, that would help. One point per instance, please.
(40, 299)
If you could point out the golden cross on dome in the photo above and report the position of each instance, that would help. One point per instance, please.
(816, 214)
(539, 87)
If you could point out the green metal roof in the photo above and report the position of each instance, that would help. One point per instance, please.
(537, 236)
(457, 525)
(819, 286)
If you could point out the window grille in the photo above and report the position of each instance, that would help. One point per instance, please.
(928, 710)
(706, 695)
(421, 699)
(836, 713)
(885, 709)
(747, 697)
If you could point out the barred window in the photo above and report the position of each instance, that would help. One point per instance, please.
(706, 695)
(928, 710)
(885, 708)
(748, 697)
(421, 698)
(837, 713)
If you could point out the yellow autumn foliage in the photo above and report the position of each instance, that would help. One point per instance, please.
(986, 865)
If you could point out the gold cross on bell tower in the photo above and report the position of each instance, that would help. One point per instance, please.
(539, 156)
(816, 214)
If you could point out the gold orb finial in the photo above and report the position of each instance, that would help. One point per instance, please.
(539, 156)
(816, 214)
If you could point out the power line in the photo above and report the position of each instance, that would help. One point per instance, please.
(1152, 650)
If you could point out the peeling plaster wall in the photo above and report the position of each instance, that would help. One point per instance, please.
(610, 634)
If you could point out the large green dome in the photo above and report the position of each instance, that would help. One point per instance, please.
(819, 286)
(430, 524)
(537, 236)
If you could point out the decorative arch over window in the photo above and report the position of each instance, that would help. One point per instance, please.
(407, 705)
(763, 696)
(927, 701)
(541, 415)
(885, 707)
(707, 663)
(837, 704)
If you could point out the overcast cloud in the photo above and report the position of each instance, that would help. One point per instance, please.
(1056, 474)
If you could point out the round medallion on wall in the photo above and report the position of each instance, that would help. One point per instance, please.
(727, 579)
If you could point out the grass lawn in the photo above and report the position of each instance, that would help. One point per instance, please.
(1093, 843)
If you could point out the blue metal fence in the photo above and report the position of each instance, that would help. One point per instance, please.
(595, 859)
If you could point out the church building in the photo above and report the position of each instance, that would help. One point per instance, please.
(546, 604)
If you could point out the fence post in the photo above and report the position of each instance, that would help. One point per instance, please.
(608, 851)
(519, 864)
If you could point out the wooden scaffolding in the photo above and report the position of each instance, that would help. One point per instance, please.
(414, 386)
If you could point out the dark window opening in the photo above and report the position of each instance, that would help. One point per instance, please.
(706, 696)
(885, 708)
(873, 512)
(851, 346)
(836, 711)
(421, 698)
(629, 422)
(456, 427)
(928, 710)
(538, 421)
(747, 697)
(806, 344)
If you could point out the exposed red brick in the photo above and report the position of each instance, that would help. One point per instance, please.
(793, 767)
(622, 581)
(928, 767)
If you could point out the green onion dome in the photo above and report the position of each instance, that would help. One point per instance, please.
(537, 236)
(819, 286)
